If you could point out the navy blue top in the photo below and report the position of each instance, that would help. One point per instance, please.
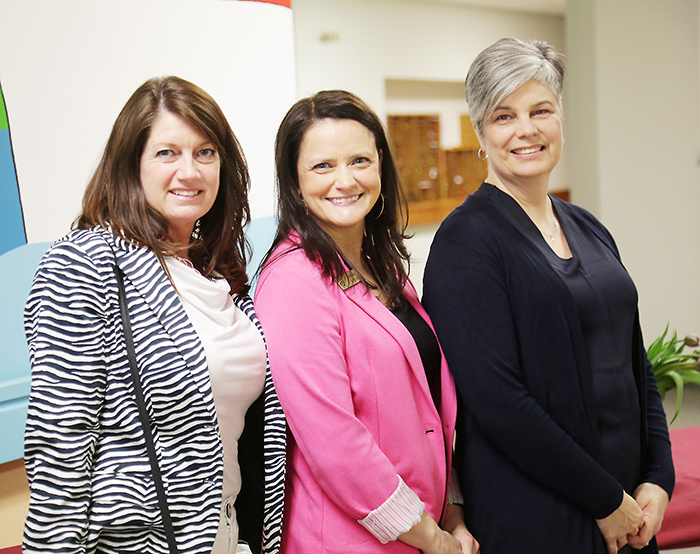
(606, 304)
(529, 452)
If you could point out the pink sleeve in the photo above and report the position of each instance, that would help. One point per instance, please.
(301, 317)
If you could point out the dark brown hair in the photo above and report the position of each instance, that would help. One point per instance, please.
(382, 246)
(114, 197)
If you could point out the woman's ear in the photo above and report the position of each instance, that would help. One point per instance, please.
(478, 137)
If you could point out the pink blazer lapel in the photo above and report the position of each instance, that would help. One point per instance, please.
(373, 307)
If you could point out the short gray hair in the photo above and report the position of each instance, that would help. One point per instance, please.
(504, 67)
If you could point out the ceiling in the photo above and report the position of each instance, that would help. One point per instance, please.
(552, 7)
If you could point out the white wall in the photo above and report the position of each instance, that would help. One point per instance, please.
(67, 67)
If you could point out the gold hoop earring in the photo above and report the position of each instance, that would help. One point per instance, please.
(382, 210)
(306, 208)
(479, 153)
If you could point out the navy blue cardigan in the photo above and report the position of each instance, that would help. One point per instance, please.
(527, 439)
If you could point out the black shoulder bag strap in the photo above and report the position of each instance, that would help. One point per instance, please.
(143, 414)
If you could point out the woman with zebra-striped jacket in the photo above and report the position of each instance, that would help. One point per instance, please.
(166, 205)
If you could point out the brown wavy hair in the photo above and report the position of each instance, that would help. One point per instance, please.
(114, 197)
(383, 247)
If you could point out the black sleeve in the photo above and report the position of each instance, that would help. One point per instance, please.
(250, 501)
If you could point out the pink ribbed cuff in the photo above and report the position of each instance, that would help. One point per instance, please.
(454, 493)
(401, 511)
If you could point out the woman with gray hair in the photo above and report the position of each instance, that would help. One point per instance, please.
(563, 444)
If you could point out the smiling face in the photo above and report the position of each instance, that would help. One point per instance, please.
(179, 173)
(523, 136)
(339, 176)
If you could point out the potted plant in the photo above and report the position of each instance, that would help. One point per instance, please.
(673, 367)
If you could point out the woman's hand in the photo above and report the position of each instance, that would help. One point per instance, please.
(427, 536)
(454, 525)
(652, 500)
(623, 524)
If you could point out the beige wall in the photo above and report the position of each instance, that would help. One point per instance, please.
(633, 135)
(399, 39)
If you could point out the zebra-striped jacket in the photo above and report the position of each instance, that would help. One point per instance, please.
(90, 480)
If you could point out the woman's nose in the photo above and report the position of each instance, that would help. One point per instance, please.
(344, 176)
(187, 169)
(526, 127)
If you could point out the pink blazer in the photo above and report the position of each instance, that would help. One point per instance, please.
(353, 387)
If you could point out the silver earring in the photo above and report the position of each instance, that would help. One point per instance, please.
(479, 153)
(382, 210)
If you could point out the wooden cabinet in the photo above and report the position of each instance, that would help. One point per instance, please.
(434, 180)
(416, 142)
(469, 140)
(464, 172)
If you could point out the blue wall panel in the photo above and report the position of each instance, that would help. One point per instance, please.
(17, 268)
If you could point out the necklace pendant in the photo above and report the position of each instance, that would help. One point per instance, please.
(185, 261)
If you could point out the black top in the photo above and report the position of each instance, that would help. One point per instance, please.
(606, 304)
(427, 346)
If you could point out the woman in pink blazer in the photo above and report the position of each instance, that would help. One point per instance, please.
(368, 397)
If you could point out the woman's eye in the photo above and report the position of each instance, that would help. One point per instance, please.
(164, 153)
(542, 112)
(321, 167)
(362, 161)
(207, 154)
(502, 117)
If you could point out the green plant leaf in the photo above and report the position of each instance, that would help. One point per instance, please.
(669, 351)
(664, 384)
(691, 376)
(654, 351)
(674, 365)
(679, 392)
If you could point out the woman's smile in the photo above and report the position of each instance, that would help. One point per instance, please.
(339, 176)
(528, 150)
(523, 136)
(345, 200)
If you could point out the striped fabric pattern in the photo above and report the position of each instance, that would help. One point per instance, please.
(275, 452)
(90, 479)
